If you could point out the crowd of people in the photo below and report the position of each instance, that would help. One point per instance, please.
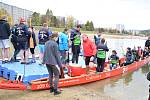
(54, 49)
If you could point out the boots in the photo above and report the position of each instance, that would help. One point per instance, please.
(56, 92)
(51, 89)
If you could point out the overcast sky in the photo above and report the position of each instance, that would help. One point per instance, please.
(134, 14)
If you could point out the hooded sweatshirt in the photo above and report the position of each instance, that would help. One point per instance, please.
(4, 30)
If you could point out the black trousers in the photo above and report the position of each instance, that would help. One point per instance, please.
(87, 60)
(75, 51)
(17, 49)
(100, 64)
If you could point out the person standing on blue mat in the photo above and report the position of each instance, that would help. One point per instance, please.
(23, 37)
(53, 63)
(43, 37)
(14, 41)
(32, 43)
(63, 45)
(4, 39)
(76, 43)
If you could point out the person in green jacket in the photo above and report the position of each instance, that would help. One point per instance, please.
(76, 43)
(101, 55)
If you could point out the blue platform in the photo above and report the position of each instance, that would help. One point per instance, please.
(28, 73)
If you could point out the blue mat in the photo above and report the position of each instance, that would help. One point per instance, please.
(27, 72)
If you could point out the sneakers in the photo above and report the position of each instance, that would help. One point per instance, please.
(3, 62)
(51, 89)
(27, 63)
(13, 60)
(33, 61)
(56, 92)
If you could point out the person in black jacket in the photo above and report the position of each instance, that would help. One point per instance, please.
(75, 38)
(14, 41)
(23, 39)
(4, 38)
(101, 55)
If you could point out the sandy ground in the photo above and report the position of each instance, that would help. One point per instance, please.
(71, 93)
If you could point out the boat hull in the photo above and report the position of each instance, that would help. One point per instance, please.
(42, 84)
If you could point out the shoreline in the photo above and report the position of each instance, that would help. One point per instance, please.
(124, 37)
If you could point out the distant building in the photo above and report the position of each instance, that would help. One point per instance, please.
(134, 32)
(62, 20)
(120, 27)
(16, 12)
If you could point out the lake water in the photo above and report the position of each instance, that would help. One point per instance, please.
(130, 86)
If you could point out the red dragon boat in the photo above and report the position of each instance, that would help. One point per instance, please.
(84, 78)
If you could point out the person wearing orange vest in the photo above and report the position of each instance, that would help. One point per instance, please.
(89, 50)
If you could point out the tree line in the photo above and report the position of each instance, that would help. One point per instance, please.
(58, 22)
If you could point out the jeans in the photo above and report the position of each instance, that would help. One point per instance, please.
(63, 56)
(52, 70)
(113, 66)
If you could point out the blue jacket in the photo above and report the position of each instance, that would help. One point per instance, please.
(129, 57)
(63, 41)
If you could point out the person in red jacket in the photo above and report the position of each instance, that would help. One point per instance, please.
(89, 50)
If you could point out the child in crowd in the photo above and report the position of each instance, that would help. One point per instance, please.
(114, 60)
(32, 43)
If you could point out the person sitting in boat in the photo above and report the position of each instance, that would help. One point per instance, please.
(135, 54)
(114, 60)
(53, 63)
(101, 55)
(145, 52)
(139, 53)
(129, 57)
(89, 50)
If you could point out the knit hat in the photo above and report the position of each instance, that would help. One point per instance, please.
(22, 20)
